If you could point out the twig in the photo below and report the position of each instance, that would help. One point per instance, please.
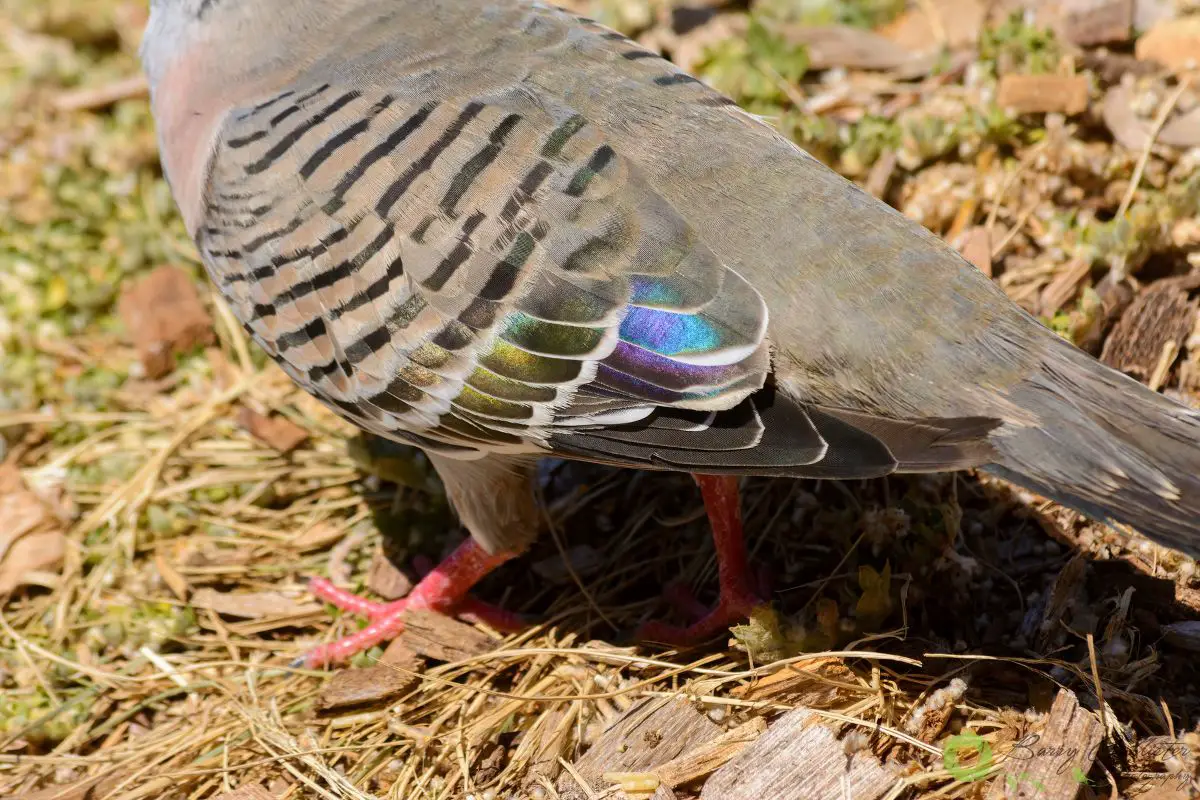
(1159, 121)
(98, 97)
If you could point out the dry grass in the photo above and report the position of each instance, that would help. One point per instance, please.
(116, 678)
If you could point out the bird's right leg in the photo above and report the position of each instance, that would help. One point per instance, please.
(740, 588)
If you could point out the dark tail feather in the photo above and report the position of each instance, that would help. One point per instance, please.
(1105, 445)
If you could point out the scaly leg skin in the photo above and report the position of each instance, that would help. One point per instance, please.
(443, 589)
(739, 595)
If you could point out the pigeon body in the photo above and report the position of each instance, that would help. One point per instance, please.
(500, 231)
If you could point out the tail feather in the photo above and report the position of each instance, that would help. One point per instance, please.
(1106, 446)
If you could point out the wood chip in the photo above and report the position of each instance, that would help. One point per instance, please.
(252, 605)
(976, 247)
(548, 739)
(443, 638)
(830, 46)
(710, 756)
(385, 579)
(1047, 765)
(369, 686)
(799, 758)
(1127, 128)
(1088, 23)
(491, 760)
(164, 316)
(651, 733)
(1159, 319)
(1174, 43)
(954, 24)
(1132, 132)
(1181, 130)
(250, 791)
(277, 432)
(401, 655)
(812, 684)
(32, 543)
(1031, 94)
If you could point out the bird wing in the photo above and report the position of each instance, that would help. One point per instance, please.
(489, 274)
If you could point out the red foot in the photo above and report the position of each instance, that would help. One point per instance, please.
(740, 590)
(443, 589)
(729, 612)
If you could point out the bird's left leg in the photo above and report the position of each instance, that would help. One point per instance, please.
(739, 588)
(494, 500)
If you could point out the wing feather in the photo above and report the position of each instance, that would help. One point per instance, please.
(488, 274)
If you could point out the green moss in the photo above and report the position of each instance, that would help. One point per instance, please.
(756, 69)
(1127, 241)
(20, 709)
(1017, 46)
(144, 625)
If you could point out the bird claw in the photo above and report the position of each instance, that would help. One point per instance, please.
(731, 610)
(733, 607)
(442, 589)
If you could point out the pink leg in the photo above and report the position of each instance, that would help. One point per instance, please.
(443, 589)
(739, 595)
(473, 610)
(323, 589)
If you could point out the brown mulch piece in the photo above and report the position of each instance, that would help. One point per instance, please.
(1174, 43)
(443, 638)
(386, 579)
(976, 247)
(368, 686)
(163, 316)
(1089, 23)
(1149, 335)
(32, 543)
(651, 733)
(799, 758)
(1064, 287)
(830, 46)
(279, 432)
(1052, 764)
(1025, 94)
(710, 756)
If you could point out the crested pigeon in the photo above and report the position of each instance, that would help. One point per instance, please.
(497, 231)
